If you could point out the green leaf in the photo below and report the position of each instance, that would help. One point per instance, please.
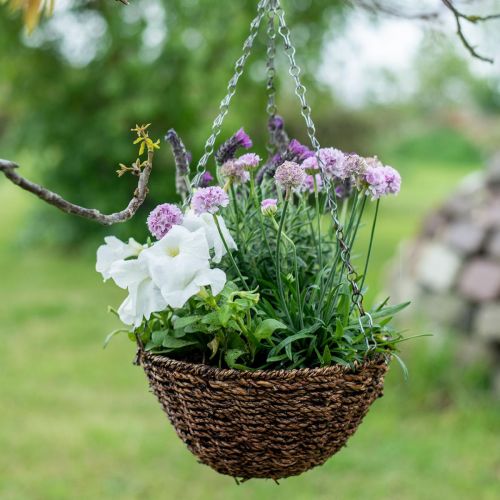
(173, 343)
(112, 334)
(288, 341)
(231, 356)
(185, 321)
(224, 315)
(339, 329)
(268, 327)
(327, 356)
(157, 338)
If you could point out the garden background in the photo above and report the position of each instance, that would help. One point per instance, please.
(76, 421)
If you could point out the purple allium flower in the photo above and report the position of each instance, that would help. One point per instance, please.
(392, 179)
(243, 139)
(308, 184)
(249, 161)
(299, 151)
(209, 199)
(234, 170)
(289, 175)
(205, 179)
(163, 218)
(269, 206)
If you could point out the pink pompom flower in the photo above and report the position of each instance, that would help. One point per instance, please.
(235, 171)
(289, 175)
(162, 219)
(209, 199)
(249, 161)
(269, 206)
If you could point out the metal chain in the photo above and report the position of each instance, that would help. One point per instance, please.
(231, 89)
(271, 53)
(300, 91)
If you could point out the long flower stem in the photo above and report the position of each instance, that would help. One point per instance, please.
(318, 216)
(253, 194)
(278, 259)
(296, 273)
(370, 245)
(233, 262)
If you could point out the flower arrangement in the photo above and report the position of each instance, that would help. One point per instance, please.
(251, 271)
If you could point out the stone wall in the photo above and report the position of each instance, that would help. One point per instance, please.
(451, 271)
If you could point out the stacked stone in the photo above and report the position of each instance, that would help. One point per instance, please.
(452, 269)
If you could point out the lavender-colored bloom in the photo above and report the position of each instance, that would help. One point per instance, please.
(243, 139)
(163, 218)
(276, 122)
(277, 134)
(228, 150)
(392, 179)
(308, 184)
(375, 178)
(205, 179)
(354, 165)
(344, 189)
(235, 171)
(269, 206)
(333, 163)
(310, 165)
(249, 161)
(182, 160)
(299, 151)
(289, 175)
(209, 199)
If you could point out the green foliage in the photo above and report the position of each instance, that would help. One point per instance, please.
(65, 109)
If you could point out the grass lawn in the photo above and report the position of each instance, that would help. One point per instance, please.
(77, 421)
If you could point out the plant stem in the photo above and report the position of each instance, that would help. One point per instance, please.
(233, 262)
(278, 261)
(370, 245)
(318, 216)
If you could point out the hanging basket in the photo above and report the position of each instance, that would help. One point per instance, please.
(264, 424)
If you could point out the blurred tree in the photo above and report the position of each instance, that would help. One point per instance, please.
(71, 91)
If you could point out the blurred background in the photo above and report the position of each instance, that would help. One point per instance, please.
(77, 421)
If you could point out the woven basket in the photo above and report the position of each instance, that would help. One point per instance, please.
(264, 424)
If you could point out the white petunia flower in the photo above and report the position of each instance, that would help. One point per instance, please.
(205, 221)
(179, 266)
(113, 251)
(144, 296)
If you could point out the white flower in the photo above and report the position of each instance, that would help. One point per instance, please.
(144, 296)
(179, 266)
(205, 221)
(168, 273)
(113, 251)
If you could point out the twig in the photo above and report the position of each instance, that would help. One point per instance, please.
(9, 169)
(375, 6)
(459, 16)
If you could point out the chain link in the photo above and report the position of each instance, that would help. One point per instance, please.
(300, 91)
(231, 89)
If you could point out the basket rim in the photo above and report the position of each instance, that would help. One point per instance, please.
(207, 370)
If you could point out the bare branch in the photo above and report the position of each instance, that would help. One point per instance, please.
(9, 168)
(376, 6)
(459, 16)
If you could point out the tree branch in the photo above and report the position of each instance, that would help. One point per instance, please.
(459, 16)
(9, 169)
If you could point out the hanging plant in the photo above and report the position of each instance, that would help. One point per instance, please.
(245, 305)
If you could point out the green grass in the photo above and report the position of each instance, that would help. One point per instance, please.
(77, 421)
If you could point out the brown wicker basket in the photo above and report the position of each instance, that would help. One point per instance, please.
(264, 424)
